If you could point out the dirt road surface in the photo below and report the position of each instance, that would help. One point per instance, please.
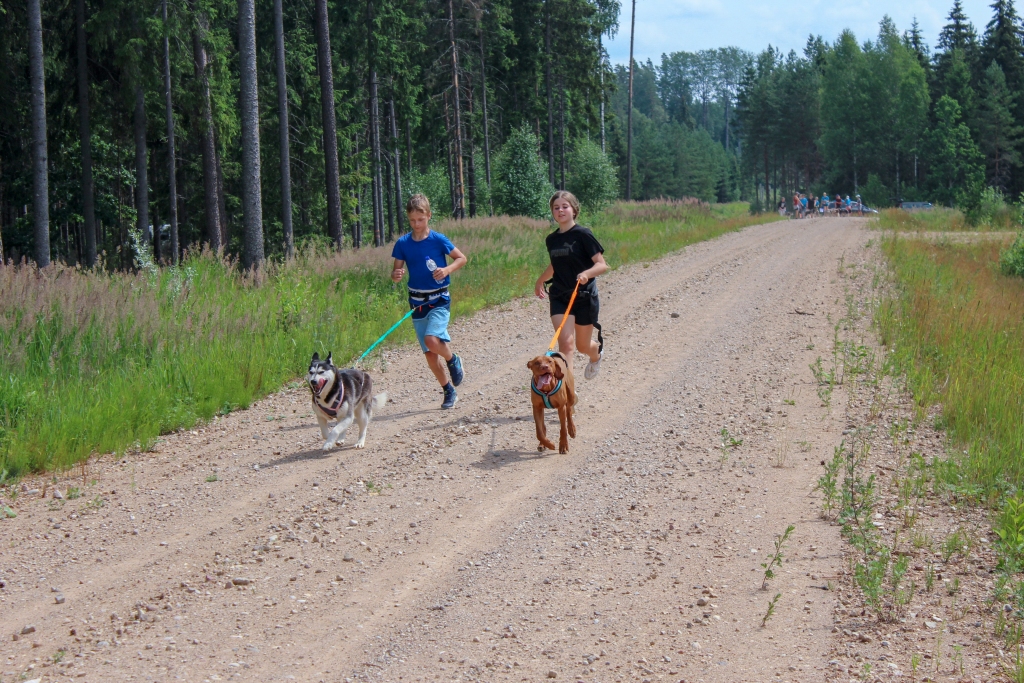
(449, 548)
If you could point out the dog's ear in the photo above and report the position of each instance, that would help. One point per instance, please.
(530, 363)
(316, 356)
(559, 364)
(328, 361)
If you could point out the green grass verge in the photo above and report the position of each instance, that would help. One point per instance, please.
(95, 363)
(955, 328)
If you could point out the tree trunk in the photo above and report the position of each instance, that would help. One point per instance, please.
(252, 204)
(156, 216)
(222, 207)
(448, 148)
(388, 197)
(459, 207)
(547, 82)
(374, 135)
(471, 151)
(330, 124)
(357, 226)
(408, 145)
(600, 53)
(561, 132)
(397, 164)
(487, 137)
(727, 97)
(141, 167)
(85, 139)
(40, 177)
(629, 111)
(282, 116)
(172, 180)
(207, 143)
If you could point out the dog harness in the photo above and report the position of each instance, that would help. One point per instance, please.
(546, 397)
(332, 410)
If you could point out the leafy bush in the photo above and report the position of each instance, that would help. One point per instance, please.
(592, 176)
(874, 193)
(433, 183)
(989, 208)
(1011, 261)
(521, 187)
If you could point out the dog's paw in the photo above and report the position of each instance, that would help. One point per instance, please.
(545, 444)
(563, 447)
(328, 445)
(359, 444)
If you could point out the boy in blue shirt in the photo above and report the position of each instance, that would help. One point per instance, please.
(425, 253)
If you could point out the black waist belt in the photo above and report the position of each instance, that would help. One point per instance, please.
(425, 296)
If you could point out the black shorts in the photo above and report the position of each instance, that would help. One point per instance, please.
(585, 308)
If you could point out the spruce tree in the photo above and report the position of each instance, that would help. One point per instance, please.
(1000, 134)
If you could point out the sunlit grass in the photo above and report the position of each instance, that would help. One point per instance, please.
(95, 363)
(956, 329)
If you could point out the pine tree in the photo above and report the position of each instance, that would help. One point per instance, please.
(40, 170)
(252, 201)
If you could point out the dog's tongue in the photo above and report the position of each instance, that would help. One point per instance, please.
(544, 380)
(320, 383)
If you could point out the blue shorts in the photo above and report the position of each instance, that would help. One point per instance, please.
(435, 324)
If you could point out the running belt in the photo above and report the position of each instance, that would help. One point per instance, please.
(422, 295)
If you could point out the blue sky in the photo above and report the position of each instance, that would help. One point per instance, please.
(673, 25)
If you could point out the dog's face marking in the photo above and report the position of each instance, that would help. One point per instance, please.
(546, 372)
(321, 375)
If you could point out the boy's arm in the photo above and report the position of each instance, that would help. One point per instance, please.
(459, 261)
(398, 271)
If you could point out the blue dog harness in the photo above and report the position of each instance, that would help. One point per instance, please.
(546, 397)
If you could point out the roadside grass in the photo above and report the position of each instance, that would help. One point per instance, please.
(941, 219)
(955, 328)
(93, 362)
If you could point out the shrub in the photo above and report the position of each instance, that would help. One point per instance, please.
(1011, 261)
(521, 187)
(434, 183)
(874, 193)
(591, 176)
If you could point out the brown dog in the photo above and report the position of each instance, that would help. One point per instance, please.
(552, 386)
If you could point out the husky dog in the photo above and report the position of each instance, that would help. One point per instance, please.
(341, 396)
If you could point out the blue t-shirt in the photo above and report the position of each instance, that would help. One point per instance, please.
(422, 258)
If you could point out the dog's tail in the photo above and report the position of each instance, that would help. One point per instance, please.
(379, 400)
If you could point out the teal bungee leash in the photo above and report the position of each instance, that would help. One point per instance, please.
(385, 335)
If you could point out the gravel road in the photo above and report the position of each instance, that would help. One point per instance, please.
(449, 549)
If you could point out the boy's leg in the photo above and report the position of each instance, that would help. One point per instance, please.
(437, 365)
(566, 343)
(438, 347)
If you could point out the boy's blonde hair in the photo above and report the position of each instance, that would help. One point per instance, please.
(418, 202)
(569, 197)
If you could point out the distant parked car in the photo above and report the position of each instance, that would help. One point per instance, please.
(916, 206)
(857, 207)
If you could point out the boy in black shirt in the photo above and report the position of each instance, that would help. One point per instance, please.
(576, 256)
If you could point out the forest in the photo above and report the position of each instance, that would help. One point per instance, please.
(255, 127)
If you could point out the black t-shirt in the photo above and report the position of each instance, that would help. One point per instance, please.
(571, 253)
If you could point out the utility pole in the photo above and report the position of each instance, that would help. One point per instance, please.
(458, 207)
(629, 112)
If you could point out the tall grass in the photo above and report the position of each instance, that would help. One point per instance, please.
(93, 363)
(956, 329)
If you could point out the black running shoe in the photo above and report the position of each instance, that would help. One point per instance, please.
(455, 369)
(450, 398)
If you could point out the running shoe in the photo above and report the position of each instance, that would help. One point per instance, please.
(450, 398)
(455, 369)
(593, 367)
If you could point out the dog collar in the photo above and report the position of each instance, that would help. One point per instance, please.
(332, 410)
(546, 396)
